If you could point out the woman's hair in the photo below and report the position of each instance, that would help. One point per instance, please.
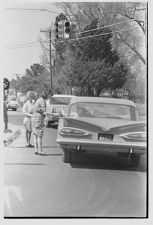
(35, 95)
(30, 94)
(50, 93)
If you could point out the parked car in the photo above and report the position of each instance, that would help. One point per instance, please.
(102, 125)
(12, 104)
(142, 110)
(57, 107)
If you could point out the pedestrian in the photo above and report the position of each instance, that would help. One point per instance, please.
(50, 98)
(38, 122)
(28, 113)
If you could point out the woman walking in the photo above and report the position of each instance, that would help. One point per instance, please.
(38, 122)
(28, 113)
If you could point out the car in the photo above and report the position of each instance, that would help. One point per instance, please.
(56, 107)
(12, 104)
(104, 126)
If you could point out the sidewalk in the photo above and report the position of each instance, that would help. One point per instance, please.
(13, 135)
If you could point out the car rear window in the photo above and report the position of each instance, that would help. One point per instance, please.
(101, 110)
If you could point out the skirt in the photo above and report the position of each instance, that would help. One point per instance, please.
(27, 123)
(38, 124)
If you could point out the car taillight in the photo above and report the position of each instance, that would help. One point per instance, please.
(72, 131)
(136, 136)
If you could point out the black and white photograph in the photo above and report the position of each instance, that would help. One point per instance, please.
(75, 110)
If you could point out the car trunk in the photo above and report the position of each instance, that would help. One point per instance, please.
(104, 125)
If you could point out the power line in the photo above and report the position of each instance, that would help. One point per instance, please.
(45, 10)
(76, 33)
(91, 36)
(104, 26)
(14, 48)
(20, 45)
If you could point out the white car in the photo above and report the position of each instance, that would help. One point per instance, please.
(104, 126)
(12, 104)
(57, 107)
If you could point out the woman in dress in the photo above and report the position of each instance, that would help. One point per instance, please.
(38, 122)
(28, 113)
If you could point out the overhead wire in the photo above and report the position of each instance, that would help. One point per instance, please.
(23, 45)
(75, 39)
(104, 26)
(20, 45)
(45, 10)
(98, 35)
(14, 48)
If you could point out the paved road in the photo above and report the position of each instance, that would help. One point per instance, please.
(37, 186)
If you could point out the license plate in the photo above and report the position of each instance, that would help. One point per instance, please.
(105, 137)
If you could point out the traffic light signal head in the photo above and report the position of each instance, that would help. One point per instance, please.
(6, 83)
(67, 27)
(58, 29)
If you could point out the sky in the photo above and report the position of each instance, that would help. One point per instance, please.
(21, 27)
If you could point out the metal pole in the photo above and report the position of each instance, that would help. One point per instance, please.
(5, 115)
(50, 59)
(50, 55)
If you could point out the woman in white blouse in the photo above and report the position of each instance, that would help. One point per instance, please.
(28, 113)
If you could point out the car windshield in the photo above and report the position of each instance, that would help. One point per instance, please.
(60, 100)
(100, 110)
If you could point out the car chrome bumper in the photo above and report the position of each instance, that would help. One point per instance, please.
(99, 146)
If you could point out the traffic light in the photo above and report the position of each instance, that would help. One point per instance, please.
(58, 29)
(67, 29)
(6, 84)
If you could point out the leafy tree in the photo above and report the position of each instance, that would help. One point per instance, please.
(129, 32)
(95, 65)
(15, 84)
(134, 13)
(94, 76)
(35, 79)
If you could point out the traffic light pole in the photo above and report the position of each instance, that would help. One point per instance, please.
(50, 57)
(5, 115)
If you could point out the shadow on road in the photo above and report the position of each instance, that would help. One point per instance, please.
(106, 162)
(53, 154)
(33, 148)
(26, 164)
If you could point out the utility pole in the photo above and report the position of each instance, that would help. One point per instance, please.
(50, 60)
(50, 56)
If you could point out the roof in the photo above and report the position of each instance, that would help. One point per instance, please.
(103, 100)
(56, 95)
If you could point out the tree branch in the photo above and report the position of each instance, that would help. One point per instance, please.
(132, 48)
(84, 11)
(137, 21)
